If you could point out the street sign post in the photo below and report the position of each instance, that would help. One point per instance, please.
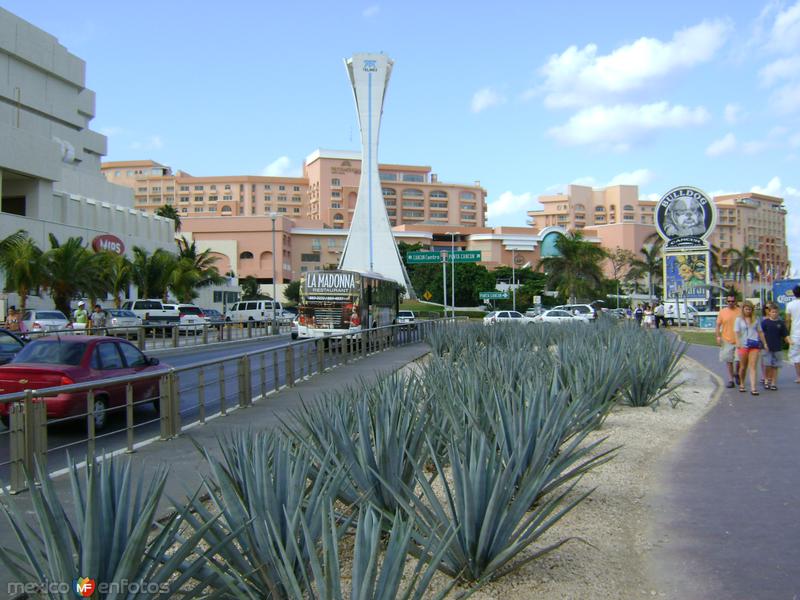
(467, 256)
(493, 295)
(416, 258)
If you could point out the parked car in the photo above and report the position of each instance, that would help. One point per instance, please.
(55, 361)
(122, 322)
(152, 312)
(10, 344)
(506, 316)
(295, 329)
(671, 313)
(256, 310)
(559, 315)
(213, 316)
(588, 311)
(191, 317)
(42, 321)
(534, 311)
(406, 317)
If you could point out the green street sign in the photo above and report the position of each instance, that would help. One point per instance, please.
(459, 256)
(466, 256)
(494, 295)
(414, 258)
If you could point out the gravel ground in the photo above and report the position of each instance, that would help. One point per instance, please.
(614, 522)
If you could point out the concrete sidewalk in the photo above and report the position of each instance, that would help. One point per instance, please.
(728, 512)
(187, 466)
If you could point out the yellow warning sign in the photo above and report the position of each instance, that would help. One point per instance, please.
(427, 295)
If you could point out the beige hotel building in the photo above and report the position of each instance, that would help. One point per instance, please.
(618, 217)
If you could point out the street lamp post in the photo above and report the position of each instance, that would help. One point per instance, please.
(443, 254)
(273, 216)
(513, 279)
(452, 235)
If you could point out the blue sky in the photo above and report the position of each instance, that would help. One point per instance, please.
(525, 97)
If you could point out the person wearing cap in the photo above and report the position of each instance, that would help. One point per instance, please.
(80, 316)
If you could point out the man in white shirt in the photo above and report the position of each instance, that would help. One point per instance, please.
(793, 323)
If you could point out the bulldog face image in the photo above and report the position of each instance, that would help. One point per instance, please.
(685, 218)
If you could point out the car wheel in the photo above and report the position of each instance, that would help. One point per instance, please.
(100, 413)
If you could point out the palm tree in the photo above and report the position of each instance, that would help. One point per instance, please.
(577, 270)
(21, 262)
(652, 263)
(151, 273)
(743, 263)
(69, 268)
(170, 212)
(202, 262)
(117, 272)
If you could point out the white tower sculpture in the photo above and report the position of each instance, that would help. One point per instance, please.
(370, 245)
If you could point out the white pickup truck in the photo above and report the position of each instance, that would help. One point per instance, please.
(153, 312)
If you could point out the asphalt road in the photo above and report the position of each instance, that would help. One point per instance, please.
(220, 386)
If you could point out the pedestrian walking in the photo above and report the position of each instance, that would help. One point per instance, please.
(638, 314)
(726, 339)
(13, 319)
(649, 317)
(749, 342)
(658, 313)
(97, 321)
(775, 332)
(793, 324)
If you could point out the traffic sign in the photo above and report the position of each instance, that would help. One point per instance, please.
(494, 295)
(466, 256)
(423, 257)
(427, 295)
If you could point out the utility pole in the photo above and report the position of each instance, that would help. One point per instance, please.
(443, 254)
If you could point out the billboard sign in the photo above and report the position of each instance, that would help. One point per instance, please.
(685, 216)
(782, 291)
(686, 274)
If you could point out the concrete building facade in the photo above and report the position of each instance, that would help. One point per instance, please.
(50, 179)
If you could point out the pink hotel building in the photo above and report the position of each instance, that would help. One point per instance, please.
(231, 215)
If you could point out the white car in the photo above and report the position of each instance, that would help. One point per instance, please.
(506, 316)
(406, 317)
(41, 321)
(191, 317)
(122, 322)
(559, 315)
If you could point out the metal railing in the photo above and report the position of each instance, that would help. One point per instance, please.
(182, 397)
(156, 336)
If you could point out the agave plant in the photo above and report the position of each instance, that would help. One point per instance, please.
(269, 495)
(377, 569)
(651, 365)
(375, 431)
(113, 538)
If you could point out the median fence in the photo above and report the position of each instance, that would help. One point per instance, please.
(124, 412)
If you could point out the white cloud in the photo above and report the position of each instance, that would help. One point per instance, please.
(281, 167)
(509, 203)
(651, 197)
(579, 77)
(732, 113)
(112, 131)
(154, 142)
(722, 146)
(619, 127)
(781, 69)
(786, 99)
(785, 34)
(486, 98)
(371, 11)
(638, 177)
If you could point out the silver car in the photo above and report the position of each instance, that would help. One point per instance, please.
(122, 322)
(42, 321)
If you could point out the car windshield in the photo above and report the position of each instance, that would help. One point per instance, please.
(51, 352)
(54, 315)
(404, 313)
(211, 312)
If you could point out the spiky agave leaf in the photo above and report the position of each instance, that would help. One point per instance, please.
(114, 536)
(651, 365)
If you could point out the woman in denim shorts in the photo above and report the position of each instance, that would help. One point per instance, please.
(749, 342)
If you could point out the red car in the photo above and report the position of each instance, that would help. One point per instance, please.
(68, 359)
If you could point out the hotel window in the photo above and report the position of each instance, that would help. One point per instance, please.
(142, 189)
(198, 209)
(227, 197)
(198, 188)
(599, 209)
(268, 198)
(129, 173)
(245, 255)
(184, 198)
(438, 204)
(413, 193)
(332, 243)
(413, 214)
(296, 210)
(212, 187)
(467, 217)
(413, 177)
(212, 198)
(336, 194)
(388, 176)
(628, 218)
(338, 217)
(296, 188)
(199, 199)
(184, 188)
(296, 199)
(212, 209)
(438, 215)
(467, 195)
(316, 245)
(267, 186)
(226, 209)
(389, 192)
(438, 194)
(155, 189)
(336, 205)
(335, 182)
(184, 210)
(281, 198)
(627, 207)
(281, 188)
(391, 212)
(170, 188)
(227, 188)
(281, 209)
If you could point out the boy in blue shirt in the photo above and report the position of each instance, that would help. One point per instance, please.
(775, 332)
